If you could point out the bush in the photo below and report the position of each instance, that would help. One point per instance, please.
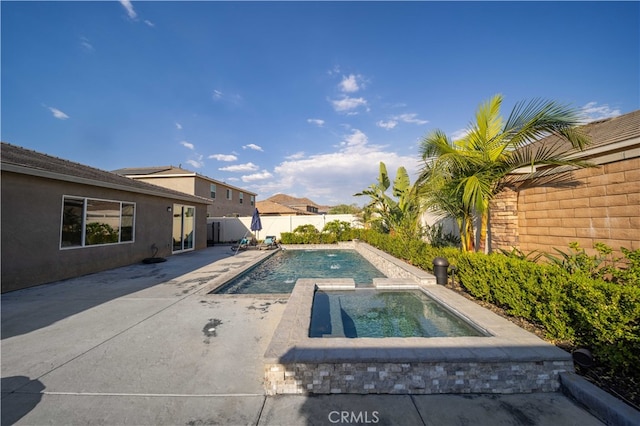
(333, 232)
(606, 317)
(340, 230)
(581, 309)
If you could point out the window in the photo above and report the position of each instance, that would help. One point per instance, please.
(72, 220)
(240, 197)
(252, 200)
(229, 194)
(213, 190)
(89, 221)
(126, 223)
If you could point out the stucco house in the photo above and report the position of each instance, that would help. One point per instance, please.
(227, 200)
(598, 204)
(286, 205)
(62, 219)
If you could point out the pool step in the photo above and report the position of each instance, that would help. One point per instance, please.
(337, 327)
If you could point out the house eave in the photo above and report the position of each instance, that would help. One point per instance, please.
(16, 168)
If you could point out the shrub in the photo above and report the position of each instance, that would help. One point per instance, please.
(606, 317)
(603, 265)
(341, 230)
(308, 234)
(579, 308)
(438, 238)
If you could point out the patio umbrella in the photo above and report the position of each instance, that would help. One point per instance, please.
(256, 223)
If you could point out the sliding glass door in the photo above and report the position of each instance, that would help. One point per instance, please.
(183, 227)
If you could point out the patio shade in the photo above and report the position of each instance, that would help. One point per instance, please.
(256, 223)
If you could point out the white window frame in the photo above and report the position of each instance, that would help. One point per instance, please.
(83, 222)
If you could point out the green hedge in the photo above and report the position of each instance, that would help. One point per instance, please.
(572, 308)
(296, 238)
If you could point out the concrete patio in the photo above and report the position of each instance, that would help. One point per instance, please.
(146, 345)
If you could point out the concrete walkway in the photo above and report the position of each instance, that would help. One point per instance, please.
(146, 345)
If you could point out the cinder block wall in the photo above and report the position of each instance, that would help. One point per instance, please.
(604, 207)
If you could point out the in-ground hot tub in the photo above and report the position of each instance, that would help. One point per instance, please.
(364, 312)
(504, 359)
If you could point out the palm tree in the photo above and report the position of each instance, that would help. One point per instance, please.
(440, 195)
(478, 166)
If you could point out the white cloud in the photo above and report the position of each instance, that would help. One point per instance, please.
(84, 42)
(296, 156)
(387, 124)
(178, 126)
(458, 134)
(332, 178)
(257, 176)
(149, 23)
(593, 112)
(187, 144)
(247, 167)
(356, 139)
(58, 114)
(350, 84)
(196, 163)
(223, 157)
(253, 147)
(347, 104)
(129, 7)
(318, 122)
(233, 99)
(334, 70)
(410, 118)
(404, 118)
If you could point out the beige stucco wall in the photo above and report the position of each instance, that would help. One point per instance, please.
(221, 206)
(182, 183)
(31, 221)
(195, 185)
(604, 207)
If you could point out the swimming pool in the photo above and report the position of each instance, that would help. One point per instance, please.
(279, 272)
(383, 313)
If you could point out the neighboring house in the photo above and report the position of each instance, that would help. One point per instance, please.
(62, 219)
(600, 204)
(286, 205)
(269, 208)
(227, 200)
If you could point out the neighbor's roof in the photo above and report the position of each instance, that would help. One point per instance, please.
(21, 160)
(170, 171)
(134, 171)
(288, 200)
(267, 207)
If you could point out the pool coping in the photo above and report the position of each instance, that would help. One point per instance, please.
(506, 341)
(508, 360)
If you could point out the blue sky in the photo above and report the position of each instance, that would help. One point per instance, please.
(301, 98)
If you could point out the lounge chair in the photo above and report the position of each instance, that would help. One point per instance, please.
(243, 244)
(269, 243)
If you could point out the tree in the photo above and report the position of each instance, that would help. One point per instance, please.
(461, 177)
(345, 209)
(399, 215)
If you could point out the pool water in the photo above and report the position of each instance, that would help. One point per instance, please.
(278, 274)
(383, 313)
